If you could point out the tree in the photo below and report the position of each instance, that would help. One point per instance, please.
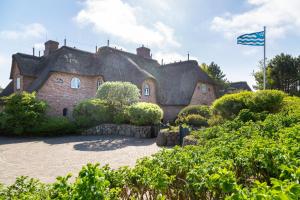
(119, 94)
(1, 89)
(214, 71)
(282, 73)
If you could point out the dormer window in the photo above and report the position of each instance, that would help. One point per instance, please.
(75, 83)
(18, 83)
(146, 90)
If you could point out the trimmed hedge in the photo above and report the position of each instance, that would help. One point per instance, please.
(92, 112)
(192, 120)
(143, 113)
(119, 93)
(230, 105)
(202, 110)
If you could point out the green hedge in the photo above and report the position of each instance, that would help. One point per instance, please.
(92, 112)
(230, 105)
(53, 126)
(22, 112)
(202, 110)
(192, 120)
(143, 113)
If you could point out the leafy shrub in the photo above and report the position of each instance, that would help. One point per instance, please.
(143, 113)
(266, 100)
(229, 105)
(202, 110)
(53, 126)
(246, 115)
(119, 93)
(22, 112)
(92, 112)
(215, 120)
(193, 120)
(121, 117)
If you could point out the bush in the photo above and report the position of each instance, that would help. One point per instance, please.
(119, 94)
(143, 113)
(53, 126)
(266, 100)
(121, 117)
(92, 112)
(202, 110)
(229, 105)
(193, 120)
(22, 112)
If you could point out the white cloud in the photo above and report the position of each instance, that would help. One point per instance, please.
(34, 30)
(169, 57)
(120, 19)
(39, 46)
(5, 69)
(279, 16)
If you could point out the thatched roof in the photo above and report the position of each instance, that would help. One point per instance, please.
(175, 82)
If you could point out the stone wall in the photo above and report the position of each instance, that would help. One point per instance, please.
(168, 138)
(123, 130)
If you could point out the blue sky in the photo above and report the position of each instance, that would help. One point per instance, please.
(170, 28)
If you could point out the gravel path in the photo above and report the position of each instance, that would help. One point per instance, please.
(47, 158)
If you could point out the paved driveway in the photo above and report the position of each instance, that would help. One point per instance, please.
(47, 158)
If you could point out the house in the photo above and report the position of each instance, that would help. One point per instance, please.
(238, 86)
(65, 76)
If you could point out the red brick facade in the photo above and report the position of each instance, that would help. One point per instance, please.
(58, 93)
(202, 96)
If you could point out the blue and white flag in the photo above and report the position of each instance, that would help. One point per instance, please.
(253, 39)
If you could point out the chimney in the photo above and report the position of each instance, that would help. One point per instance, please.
(143, 51)
(50, 46)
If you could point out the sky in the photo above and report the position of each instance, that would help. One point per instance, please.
(207, 29)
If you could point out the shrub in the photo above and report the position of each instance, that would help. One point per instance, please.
(215, 120)
(229, 105)
(202, 110)
(119, 93)
(266, 100)
(121, 116)
(192, 120)
(22, 112)
(92, 112)
(143, 113)
(53, 126)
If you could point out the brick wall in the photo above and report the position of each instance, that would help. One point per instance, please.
(152, 97)
(58, 93)
(200, 97)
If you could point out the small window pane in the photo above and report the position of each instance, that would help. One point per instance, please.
(146, 90)
(75, 83)
(99, 83)
(18, 83)
(203, 88)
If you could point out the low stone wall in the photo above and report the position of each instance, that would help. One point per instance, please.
(123, 130)
(167, 138)
(189, 140)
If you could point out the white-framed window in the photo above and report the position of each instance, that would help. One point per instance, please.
(75, 83)
(203, 88)
(146, 90)
(99, 83)
(18, 83)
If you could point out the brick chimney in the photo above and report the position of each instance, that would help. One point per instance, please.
(143, 51)
(50, 46)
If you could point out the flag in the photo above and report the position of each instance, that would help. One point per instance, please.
(253, 39)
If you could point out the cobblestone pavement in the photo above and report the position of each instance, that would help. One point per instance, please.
(47, 158)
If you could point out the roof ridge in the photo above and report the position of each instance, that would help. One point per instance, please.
(27, 55)
(182, 62)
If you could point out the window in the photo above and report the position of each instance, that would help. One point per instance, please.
(65, 112)
(203, 88)
(75, 83)
(18, 83)
(99, 83)
(146, 90)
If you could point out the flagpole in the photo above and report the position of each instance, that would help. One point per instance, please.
(264, 58)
